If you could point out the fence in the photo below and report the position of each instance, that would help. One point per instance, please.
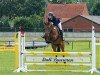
(35, 35)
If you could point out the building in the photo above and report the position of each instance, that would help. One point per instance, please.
(81, 24)
(74, 17)
(66, 11)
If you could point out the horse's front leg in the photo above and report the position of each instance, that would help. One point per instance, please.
(62, 46)
(53, 47)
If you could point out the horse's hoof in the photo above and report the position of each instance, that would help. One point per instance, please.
(63, 56)
(64, 62)
(56, 55)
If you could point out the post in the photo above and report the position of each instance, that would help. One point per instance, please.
(21, 48)
(16, 51)
(93, 50)
(18, 43)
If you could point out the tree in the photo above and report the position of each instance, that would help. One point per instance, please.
(61, 1)
(19, 12)
(37, 21)
(34, 7)
(21, 7)
(7, 7)
(96, 9)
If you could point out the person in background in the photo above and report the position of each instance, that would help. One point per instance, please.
(21, 29)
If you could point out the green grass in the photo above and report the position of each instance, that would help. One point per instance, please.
(7, 61)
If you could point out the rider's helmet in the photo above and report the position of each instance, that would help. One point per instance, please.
(50, 14)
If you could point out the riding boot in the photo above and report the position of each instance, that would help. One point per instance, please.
(61, 34)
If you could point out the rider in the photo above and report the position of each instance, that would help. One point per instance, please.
(56, 22)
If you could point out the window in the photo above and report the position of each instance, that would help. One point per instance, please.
(68, 30)
(65, 30)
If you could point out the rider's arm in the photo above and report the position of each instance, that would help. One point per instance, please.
(49, 20)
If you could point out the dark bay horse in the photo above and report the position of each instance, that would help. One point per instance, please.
(52, 35)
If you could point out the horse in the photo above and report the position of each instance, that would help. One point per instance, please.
(52, 35)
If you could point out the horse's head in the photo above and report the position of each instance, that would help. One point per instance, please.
(50, 32)
(48, 28)
(48, 24)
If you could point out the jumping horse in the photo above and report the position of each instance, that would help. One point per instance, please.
(52, 35)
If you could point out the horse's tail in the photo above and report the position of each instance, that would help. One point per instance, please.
(58, 48)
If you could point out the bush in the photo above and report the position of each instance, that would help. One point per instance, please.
(32, 23)
(4, 22)
(22, 21)
(37, 21)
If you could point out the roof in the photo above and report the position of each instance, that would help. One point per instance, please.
(95, 19)
(67, 10)
(64, 19)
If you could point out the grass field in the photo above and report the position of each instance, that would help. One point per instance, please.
(7, 61)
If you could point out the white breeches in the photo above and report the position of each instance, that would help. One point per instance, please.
(60, 26)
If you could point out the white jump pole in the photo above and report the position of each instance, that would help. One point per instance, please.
(94, 51)
(21, 49)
